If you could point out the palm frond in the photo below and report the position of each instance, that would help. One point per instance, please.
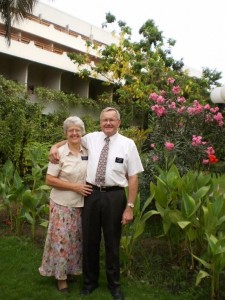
(14, 10)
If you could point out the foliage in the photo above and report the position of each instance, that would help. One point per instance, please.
(178, 200)
(139, 136)
(136, 69)
(11, 190)
(11, 11)
(22, 121)
(192, 210)
(132, 232)
(25, 198)
(19, 121)
(64, 101)
(188, 133)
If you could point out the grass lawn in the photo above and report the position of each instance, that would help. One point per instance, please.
(20, 279)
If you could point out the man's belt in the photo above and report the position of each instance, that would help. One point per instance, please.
(105, 188)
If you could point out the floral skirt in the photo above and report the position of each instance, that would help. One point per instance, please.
(63, 246)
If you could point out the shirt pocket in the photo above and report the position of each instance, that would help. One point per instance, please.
(119, 165)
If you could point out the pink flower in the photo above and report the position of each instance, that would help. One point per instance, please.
(196, 108)
(181, 110)
(155, 158)
(176, 90)
(219, 118)
(213, 110)
(181, 100)
(160, 100)
(172, 105)
(162, 93)
(170, 80)
(153, 96)
(152, 146)
(159, 110)
(196, 140)
(210, 151)
(205, 161)
(169, 146)
(207, 107)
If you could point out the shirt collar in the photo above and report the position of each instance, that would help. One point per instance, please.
(113, 137)
(67, 150)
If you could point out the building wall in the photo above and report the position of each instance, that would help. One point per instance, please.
(37, 55)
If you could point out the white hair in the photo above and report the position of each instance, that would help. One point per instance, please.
(74, 120)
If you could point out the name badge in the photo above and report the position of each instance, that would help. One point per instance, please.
(119, 160)
(84, 157)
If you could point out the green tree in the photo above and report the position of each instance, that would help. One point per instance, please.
(136, 69)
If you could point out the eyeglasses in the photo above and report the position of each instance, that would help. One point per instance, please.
(109, 120)
(74, 130)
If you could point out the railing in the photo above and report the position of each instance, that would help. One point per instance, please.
(26, 40)
(61, 29)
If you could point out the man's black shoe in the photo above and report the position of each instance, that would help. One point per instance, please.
(117, 294)
(87, 291)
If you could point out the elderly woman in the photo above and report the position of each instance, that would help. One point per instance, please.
(62, 257)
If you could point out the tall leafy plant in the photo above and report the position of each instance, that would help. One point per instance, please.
(132, 232)
(11, 191)
(179, 199)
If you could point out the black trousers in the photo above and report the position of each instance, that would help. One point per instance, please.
(102, 214)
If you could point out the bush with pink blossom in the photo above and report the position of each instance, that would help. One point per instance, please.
(191, 135)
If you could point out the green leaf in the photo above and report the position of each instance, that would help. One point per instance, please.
(217, 205)
(29, 218)
(192, 234)
(203, 262)
(212, 241)
(175, 216)
(221, 221)
(201, 274)
(17, 181)
(44, 188)
(148, 202)
(139, 230)
(189, 205)
(29, 200)
(200, 193)
(44, 223)
(173, 177)
(148, 214)
(8, 170)
(166, 225)
(183, 224)
(161, 197)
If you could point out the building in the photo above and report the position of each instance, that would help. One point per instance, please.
(37, 55)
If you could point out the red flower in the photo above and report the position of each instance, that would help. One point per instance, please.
(212, 159)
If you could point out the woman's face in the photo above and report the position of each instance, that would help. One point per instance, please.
(73, 134)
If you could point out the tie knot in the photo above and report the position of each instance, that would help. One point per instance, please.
(107, 139)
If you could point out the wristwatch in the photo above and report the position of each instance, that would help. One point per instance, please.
(129, 204)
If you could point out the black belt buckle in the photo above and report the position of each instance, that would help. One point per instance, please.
(102, 189)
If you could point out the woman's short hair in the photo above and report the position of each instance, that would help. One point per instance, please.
(74, 120)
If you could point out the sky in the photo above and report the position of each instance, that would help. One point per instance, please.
(196, 25)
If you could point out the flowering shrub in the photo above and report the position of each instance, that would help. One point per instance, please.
(191, 135)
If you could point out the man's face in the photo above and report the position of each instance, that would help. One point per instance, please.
(109, 123)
